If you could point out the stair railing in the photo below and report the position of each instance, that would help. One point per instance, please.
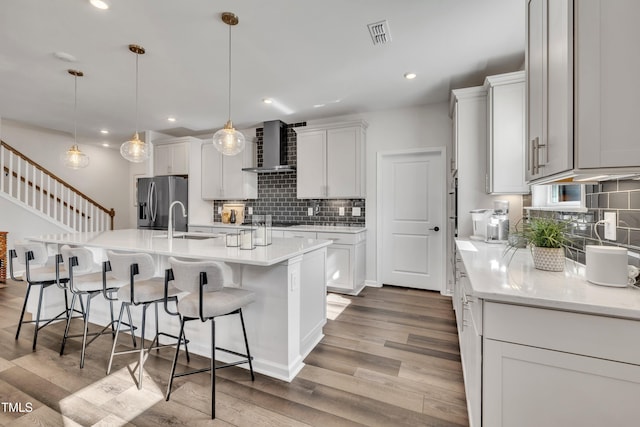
(26, 181)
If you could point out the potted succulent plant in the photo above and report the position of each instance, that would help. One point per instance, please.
(547, 240)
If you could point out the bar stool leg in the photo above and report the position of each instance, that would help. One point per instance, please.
(86, 328)
(175, 359)
(213, 368)
(66, 329)
(246, 344)
(141, 358)
(35, 332)
(24, 307)
(133, 336)
(115, 340)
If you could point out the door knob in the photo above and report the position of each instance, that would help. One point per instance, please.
(436, 228)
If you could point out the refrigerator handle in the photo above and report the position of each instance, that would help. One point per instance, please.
(153, 201)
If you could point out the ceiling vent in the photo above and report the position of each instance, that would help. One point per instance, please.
(380, 33)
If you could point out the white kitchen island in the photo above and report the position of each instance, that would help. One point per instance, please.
(285, 321)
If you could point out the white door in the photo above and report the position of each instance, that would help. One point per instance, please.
(411, 203)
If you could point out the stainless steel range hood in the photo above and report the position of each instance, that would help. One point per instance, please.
(274, 148)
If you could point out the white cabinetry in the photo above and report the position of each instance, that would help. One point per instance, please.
(581, 46)
(581, 374)
(331, 161)
(345, 259)
(223, 177)
(549, 87)
(171, 156)
(469, 321)
(469, 114)
(506, 134)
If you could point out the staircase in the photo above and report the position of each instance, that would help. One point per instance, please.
(28, 184)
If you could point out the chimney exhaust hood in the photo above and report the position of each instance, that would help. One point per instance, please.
(274, 148)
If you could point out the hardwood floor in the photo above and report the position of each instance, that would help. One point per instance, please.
(389, 357)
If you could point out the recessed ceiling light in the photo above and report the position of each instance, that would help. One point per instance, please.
(267, 100)
(318, 106)
(100, 4)
(64, 56)
(105, 144)
(171, 119)
(104, 131)
(409, 76)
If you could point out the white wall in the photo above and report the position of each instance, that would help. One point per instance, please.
(104, 180)
(22, 223)
(427, 126)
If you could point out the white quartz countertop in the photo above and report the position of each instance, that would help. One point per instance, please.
(301, 227)
(494, 278)
(211, 248)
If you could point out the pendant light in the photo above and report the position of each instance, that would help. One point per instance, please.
(135, 150)
(228, 140)
(74, 158)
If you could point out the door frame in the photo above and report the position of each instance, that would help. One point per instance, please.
(381, 155)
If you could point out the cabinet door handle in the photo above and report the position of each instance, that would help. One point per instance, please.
(536, 156)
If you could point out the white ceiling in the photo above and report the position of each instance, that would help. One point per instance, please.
(299, 52)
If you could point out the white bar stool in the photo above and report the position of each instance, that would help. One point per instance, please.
(84, 281)
(207, 299)
(34, 257)
(142, 288)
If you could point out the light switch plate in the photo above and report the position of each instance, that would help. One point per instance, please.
(310, 211)
(341, 211)
(250, 208)
(219, 209)
(355, 211)
(610, 225)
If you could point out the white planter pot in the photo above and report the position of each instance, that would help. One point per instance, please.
(549, 259)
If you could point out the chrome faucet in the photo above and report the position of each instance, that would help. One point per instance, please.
(184, 213)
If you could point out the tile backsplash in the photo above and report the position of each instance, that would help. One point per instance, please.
(277, 195)
(619, 196)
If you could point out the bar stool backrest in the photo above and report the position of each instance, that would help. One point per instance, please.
(85, 259)
(121, 265)
(187, 275)
(40, 254)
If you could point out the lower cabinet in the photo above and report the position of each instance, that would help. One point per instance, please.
(345, 259)
(544, 367)
(529, 386)
(532, 366)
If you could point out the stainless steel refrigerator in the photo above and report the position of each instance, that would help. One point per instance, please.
(155, 195)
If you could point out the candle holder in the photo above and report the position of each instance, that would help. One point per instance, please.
(262, 225)
(232, 239)
(247, 239)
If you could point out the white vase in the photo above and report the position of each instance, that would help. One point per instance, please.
(549, 259)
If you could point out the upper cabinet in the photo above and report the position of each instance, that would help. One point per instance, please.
(506, 134)
(331, 161)
(171, 156)
(223, 177)
(583, 47)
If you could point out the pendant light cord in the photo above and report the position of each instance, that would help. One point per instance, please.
(137, 78)
(75, 109)
(229, 73)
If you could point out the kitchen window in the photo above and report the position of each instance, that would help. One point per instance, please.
(559, 197)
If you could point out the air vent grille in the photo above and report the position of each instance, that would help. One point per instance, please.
(380, 33)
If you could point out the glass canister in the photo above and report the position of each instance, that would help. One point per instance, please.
(247, 240)
(232, 239)
(262, 225)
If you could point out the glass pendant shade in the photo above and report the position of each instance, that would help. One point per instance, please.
(75, 159)
(135, 150)
(228, 141)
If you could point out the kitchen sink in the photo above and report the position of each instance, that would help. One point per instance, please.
(189, 236)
